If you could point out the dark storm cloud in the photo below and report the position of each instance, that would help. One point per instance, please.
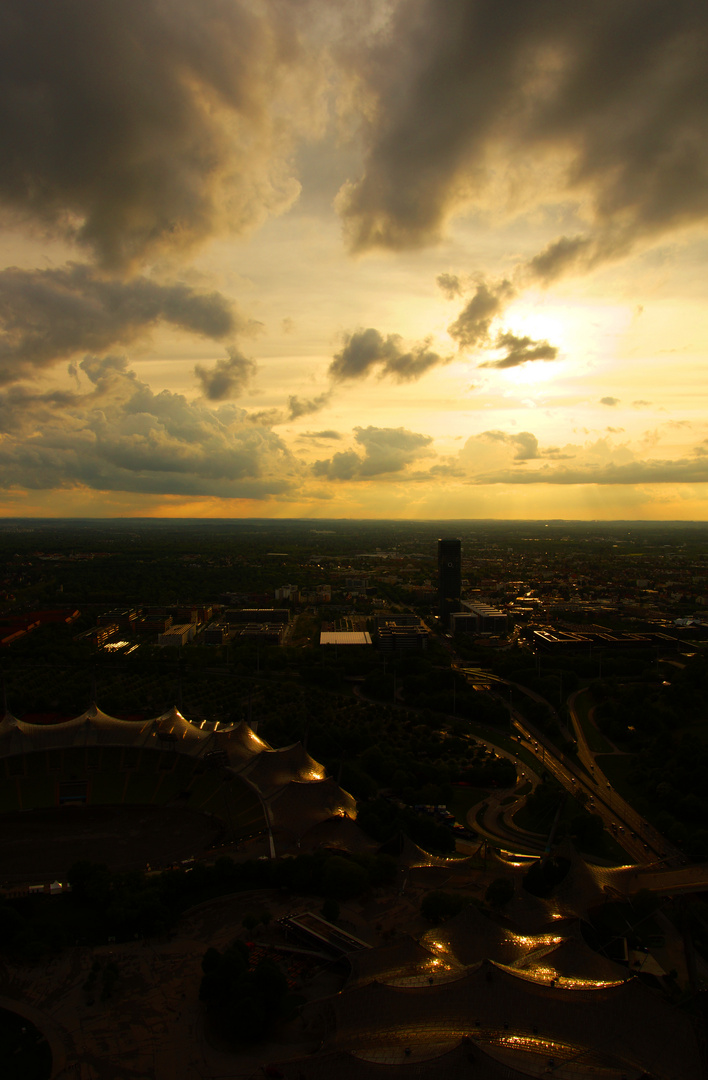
(228, 378)
(143, 125)
(471, 328)
(611, 401)
(477, 103)
(520, 350)
(298, 407)
(48, 315)
(450, 285)
(330, 435)
(386, 450)
(365, 350)
(120, 436)
(561, 256)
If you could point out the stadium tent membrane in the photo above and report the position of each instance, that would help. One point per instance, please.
(408, 854)
(583, 886)
(572, 963)
(289, 782)
(622, 1026)
(402, 959)
(339, 834)
(271, 770)
(240, 743)
(460, 1061)
(470, 937)
(13, 737)
(299, 806)
(532, 914)
(96, 728)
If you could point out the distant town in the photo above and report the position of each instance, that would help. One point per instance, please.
(320, 761)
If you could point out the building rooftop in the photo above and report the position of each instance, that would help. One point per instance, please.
(345, 637)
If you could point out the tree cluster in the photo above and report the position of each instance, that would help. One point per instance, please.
(103, 906)
(243, 1003)
(662, 725)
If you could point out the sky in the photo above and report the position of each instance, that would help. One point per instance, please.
(394, 259)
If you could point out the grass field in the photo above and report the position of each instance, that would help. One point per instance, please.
(107, 788)
(41, 845)
(9, 796)
(607, 849)
(141, 787)
(595, 739)
(122, 780)
(463, 799)
(38, 791)
(616, 768)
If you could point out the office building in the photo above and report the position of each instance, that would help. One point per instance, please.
(449, 576)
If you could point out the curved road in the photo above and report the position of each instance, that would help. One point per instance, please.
(656, 863)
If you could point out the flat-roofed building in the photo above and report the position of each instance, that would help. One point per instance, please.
(99, 635)
(561, 641)
(478, 618)
(177, 635)
(345, 637)
(398, 620)
(403, 638)
(185, 615)
(401, 633)
(216, 634)
(124, 618)
(156, 624)
(449, 576)
(265, 633)
(288, 592)
(256, 615)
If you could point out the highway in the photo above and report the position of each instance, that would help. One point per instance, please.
(643, 844)
(656, 864)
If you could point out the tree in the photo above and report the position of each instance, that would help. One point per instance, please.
(330, 909)
(588, 830)
(542, 877)
(438, 907)
(499, 892)
(90, 883)
(343, 878)
(242, 1004)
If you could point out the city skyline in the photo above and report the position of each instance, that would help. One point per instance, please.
(420, 259)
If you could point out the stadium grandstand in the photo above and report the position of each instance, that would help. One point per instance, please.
(227, 772)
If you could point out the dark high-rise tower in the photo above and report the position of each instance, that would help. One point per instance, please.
(449, 576)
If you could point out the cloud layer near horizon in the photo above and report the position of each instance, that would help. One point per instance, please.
(114, 434)
(117, 435)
